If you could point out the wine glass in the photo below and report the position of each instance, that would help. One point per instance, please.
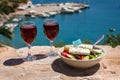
(28, 33)
(51, 29)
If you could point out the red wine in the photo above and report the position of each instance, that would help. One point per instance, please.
(28, 33)
(51, 30)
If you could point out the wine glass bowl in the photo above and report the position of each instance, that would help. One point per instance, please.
(28, 33)
(51, 29)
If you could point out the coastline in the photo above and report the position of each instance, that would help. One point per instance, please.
(89, 24)
(40, 10)
(47, 10)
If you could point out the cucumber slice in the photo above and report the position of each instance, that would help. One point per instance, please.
(86, 58)
(71, 57)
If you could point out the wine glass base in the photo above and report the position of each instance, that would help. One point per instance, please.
(51, 54)
(30, 58)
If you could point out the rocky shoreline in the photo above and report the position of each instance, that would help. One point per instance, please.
(47, 10)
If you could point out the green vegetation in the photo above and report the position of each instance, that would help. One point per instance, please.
(18, 1)
(87, 42)
(4, 43)
(62, 43)
(5, 32)
(59, 44)
(8, 6)
(112, 40)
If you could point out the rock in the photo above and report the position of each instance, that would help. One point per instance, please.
(12, 67)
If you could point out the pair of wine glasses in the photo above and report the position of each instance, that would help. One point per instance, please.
(28, 33)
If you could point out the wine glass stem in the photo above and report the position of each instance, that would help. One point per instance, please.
(29, 46)
(52, 52)
(51, 43)
(29, 56)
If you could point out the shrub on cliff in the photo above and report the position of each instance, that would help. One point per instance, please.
(113, 40)
(8, 6)
(6, 32)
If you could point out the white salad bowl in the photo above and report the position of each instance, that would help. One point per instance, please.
(80, 63)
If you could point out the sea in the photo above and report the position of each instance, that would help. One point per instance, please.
(90, 24)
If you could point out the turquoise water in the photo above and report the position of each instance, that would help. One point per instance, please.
(88, 25)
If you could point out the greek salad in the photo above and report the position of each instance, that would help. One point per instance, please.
(82, 52)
